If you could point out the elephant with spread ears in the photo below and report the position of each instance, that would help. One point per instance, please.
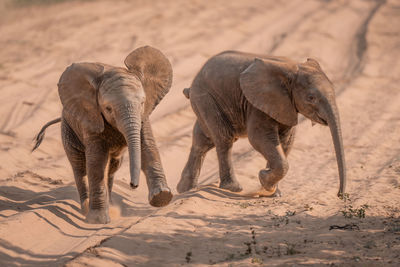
(106, 109)
(238, 94)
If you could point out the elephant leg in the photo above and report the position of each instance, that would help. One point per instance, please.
(265, 139)
(97, 157)
(113, 166)
(201, 144)
(286, 138)
(226, 173)
(77, 160)
(217, 126)
(159, 192)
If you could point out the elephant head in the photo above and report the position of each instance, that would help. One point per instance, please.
(281, 88)
(95, 94)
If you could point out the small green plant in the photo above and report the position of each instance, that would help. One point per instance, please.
(290, 213)
(308, 207)
(256, 260)
(244, 205)
(279, 219)
(350, 212)
(93, 251)
(345, 197)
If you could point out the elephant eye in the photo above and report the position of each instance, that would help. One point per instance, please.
(311, 98)
(109, 109)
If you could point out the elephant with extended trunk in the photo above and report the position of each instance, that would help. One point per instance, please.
(238, 94)
(105, 110)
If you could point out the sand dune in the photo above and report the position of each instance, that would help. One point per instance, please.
(357, 44)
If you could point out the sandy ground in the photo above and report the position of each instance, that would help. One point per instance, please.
(356, 42)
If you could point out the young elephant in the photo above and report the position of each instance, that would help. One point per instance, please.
(105, 110)
(238, 94)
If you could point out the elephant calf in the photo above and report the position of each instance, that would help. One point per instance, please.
(105, 110)
(238, 94)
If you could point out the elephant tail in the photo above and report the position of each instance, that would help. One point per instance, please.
(39, 137)
(186, 92)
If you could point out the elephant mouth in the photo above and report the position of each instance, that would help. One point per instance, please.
(320, 120)
(324, 122)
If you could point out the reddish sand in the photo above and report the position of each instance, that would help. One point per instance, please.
(356, 42)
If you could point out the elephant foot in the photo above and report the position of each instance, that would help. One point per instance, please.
(160, 197)
(185, 185)
(85, 207)
(231, 185)
(97, 216)
(271, 188)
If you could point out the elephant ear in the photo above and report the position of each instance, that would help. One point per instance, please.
(314, 63)
(155, 72)
(78, 87)
(265, 85)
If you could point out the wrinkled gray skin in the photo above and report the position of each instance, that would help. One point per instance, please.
(106, 110)
(239, 94)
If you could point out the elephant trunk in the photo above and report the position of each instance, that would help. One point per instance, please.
(333, 120)
(131, 126)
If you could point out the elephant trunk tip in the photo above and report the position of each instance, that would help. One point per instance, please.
(342, 190)
(131, 129)
(135, 172)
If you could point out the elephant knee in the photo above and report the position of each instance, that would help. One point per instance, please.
(280, 168)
